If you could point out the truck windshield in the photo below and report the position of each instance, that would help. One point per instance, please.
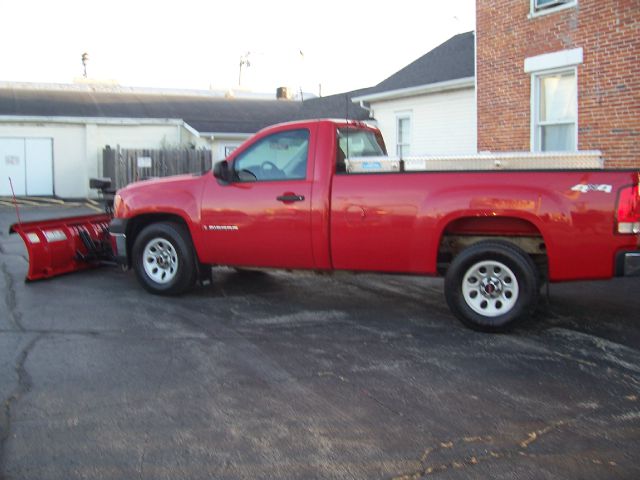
(360, 143)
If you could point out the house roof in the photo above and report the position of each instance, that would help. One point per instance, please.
(448, 63)
(205, 113)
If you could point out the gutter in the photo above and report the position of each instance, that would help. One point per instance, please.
(228, 135)
(100, 121)
(96, 120)
(448, 85)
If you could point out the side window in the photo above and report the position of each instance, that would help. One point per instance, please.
(357, 143)
(281, 156)
(403, 135)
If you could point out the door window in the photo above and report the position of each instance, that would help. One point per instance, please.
(281, 156)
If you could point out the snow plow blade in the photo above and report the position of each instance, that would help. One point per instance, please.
(65, 245)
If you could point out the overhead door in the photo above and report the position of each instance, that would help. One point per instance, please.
(28, 162)
(13, 166)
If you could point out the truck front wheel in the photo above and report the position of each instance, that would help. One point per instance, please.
(163, 259)
(491, 285)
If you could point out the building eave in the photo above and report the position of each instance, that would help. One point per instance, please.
(448, 85)
(96, 120)
(190, 129)
(228, 135)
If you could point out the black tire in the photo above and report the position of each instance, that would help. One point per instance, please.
(491, 286)
(164, 259)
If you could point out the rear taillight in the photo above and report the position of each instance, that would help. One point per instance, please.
(629, 210)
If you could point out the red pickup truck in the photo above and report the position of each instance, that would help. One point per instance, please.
(285, 200)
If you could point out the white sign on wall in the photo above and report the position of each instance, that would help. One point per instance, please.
(144, 162)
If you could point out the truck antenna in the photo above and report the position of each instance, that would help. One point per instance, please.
(346, 119)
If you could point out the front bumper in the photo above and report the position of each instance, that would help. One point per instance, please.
(628, 264)
(117, 230)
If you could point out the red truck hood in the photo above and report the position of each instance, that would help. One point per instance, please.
(178, 195)
(162, 183)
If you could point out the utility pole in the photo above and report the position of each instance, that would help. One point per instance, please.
(301, 76)
(244, 62)
(85, 59)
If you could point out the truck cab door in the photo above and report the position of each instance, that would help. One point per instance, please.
(262, 216)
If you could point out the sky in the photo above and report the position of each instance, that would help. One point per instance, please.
(190, 44)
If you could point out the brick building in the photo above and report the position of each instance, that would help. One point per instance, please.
(559, 75)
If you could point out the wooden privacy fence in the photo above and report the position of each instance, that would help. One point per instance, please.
(125, 165)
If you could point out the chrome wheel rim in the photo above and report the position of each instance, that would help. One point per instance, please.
(490, 288)
(160, 260)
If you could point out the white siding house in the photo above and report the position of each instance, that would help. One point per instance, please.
(438, 123)
(429, 107)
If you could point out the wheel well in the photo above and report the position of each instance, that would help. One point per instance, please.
(137, 224)
(464, 232)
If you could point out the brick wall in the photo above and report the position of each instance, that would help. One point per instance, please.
(608, 79)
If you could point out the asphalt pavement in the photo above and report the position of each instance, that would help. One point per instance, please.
(300, 376)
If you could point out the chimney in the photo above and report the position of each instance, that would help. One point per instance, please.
(283, 93)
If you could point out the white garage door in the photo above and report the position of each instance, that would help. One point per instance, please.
(29, 164)
(13, 166)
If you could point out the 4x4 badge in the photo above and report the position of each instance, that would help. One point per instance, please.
(591, 187)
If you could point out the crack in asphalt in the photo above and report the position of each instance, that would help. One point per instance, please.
(381, 403)
(23, 387)
(519, 448)
(513, 449)
(10, 299)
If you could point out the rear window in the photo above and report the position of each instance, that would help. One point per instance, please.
(360, 143)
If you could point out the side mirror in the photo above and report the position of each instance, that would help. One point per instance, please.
(221, 171)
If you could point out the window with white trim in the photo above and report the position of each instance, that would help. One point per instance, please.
(403, 135)
(547, 6)
(542, 4)
(555, 111)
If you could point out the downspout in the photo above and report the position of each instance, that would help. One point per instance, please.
(368, 109)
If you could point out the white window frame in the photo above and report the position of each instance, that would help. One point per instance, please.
(536, 124)
(537, 12)
(548, 64)
(406, 115)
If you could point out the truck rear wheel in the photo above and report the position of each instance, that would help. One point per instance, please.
(492, 285)
(163, 259)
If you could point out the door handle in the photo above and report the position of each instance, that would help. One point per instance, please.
(290, 197)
